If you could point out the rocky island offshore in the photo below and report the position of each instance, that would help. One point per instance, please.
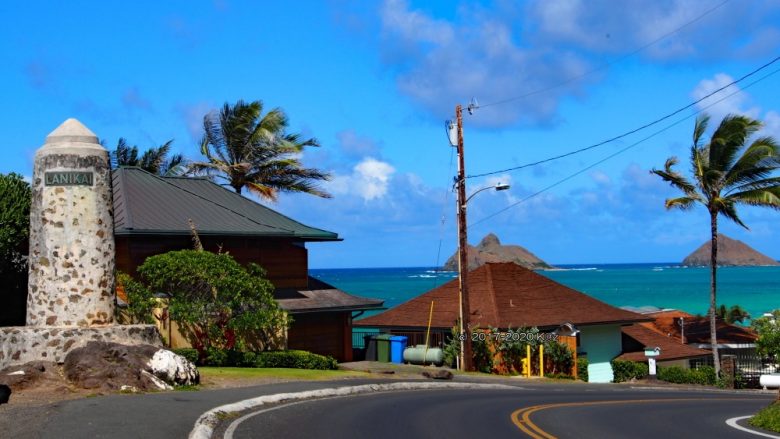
(491, 250)
(730, 253)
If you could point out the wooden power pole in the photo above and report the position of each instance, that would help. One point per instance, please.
(467, 358)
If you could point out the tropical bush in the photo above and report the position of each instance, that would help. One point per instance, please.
(15, 198)
(582, 368)
(217, 302)
(140, 303)
(627, 370)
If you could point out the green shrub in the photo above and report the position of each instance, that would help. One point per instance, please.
(628, 370)
(704, 375)
(768, 418)
(188, 353)
(216, 357)
(295, 360)
(582, 368)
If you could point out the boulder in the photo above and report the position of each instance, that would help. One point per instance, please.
(5, 394)
(440, 374)
(30, 375)
(106, 366)
(173, 368)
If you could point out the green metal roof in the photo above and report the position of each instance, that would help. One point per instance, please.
(145, 203)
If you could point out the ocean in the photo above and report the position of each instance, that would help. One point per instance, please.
(756, 289)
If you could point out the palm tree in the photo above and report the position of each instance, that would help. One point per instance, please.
(727, 173)
(154, 160)
(249, 151)
(735, 314)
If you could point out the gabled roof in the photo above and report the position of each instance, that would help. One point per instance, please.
(504, 295)
(697, 329)
(145, 203)
(322, 297)
(671, 348)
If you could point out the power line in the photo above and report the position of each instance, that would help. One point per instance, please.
(604, 66)
(635, 130)
(559, 182)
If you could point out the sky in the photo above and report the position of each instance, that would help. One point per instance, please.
(375, 81)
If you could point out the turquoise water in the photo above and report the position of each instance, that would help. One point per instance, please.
(757, 289)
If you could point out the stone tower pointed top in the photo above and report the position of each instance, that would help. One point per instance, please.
(71, 131)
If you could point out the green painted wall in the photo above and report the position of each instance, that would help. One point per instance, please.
(602, 344)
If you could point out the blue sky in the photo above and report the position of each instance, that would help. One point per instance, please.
(374, 82)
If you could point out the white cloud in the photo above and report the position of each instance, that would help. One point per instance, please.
(369, 180)
(736, 104)
(503, 50)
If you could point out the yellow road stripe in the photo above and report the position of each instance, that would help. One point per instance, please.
(522, 417)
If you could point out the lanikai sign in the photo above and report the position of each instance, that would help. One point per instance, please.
(68, 179)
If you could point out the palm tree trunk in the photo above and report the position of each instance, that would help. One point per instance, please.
(713, 287)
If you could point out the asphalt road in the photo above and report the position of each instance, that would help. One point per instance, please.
(403, 415)
(589, 412)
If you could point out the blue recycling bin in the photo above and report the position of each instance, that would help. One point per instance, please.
(397, 346)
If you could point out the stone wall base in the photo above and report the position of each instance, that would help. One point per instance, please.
(22, 344)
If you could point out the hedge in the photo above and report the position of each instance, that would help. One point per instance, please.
(582, 368)
(704, 375)
(291, 359)
(627, 370)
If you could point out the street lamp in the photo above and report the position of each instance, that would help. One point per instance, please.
(466, 356)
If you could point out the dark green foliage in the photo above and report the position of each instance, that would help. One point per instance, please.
(15, 199)
(295, 360)
(220, 301)
(735, 314)
(582, 368)
(483, 357)
(628, 370)
(704, 375)
(768, 329)
(188, 353)
(141, 302)
(558, 356)
(768, 418)
(452, 348)
(154, 160)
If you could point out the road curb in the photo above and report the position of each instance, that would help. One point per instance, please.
(204, 426)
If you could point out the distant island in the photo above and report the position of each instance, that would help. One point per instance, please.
(730, 253)
(491, 250)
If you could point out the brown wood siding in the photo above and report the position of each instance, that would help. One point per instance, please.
(322, 333)
(285, 262)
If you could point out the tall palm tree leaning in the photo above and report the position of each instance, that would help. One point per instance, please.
(247, 149)
(726, 173)
(154, 160)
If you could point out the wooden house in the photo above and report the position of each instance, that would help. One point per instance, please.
(152, 214)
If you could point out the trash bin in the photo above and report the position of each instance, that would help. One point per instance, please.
(370, 344)
(397, 346)
(383, 347)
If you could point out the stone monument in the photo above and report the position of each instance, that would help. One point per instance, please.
(71, 296)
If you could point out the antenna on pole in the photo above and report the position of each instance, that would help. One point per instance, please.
(473, 105)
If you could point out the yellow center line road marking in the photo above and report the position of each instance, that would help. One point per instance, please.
(522, 417)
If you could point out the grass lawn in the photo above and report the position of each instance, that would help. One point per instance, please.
(768, 418)
(281, 373)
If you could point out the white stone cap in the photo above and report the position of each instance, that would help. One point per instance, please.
(71, 134)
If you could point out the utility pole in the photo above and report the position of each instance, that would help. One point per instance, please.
(463, 264)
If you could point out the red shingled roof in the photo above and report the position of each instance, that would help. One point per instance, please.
(671, 348)
(504, 295)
